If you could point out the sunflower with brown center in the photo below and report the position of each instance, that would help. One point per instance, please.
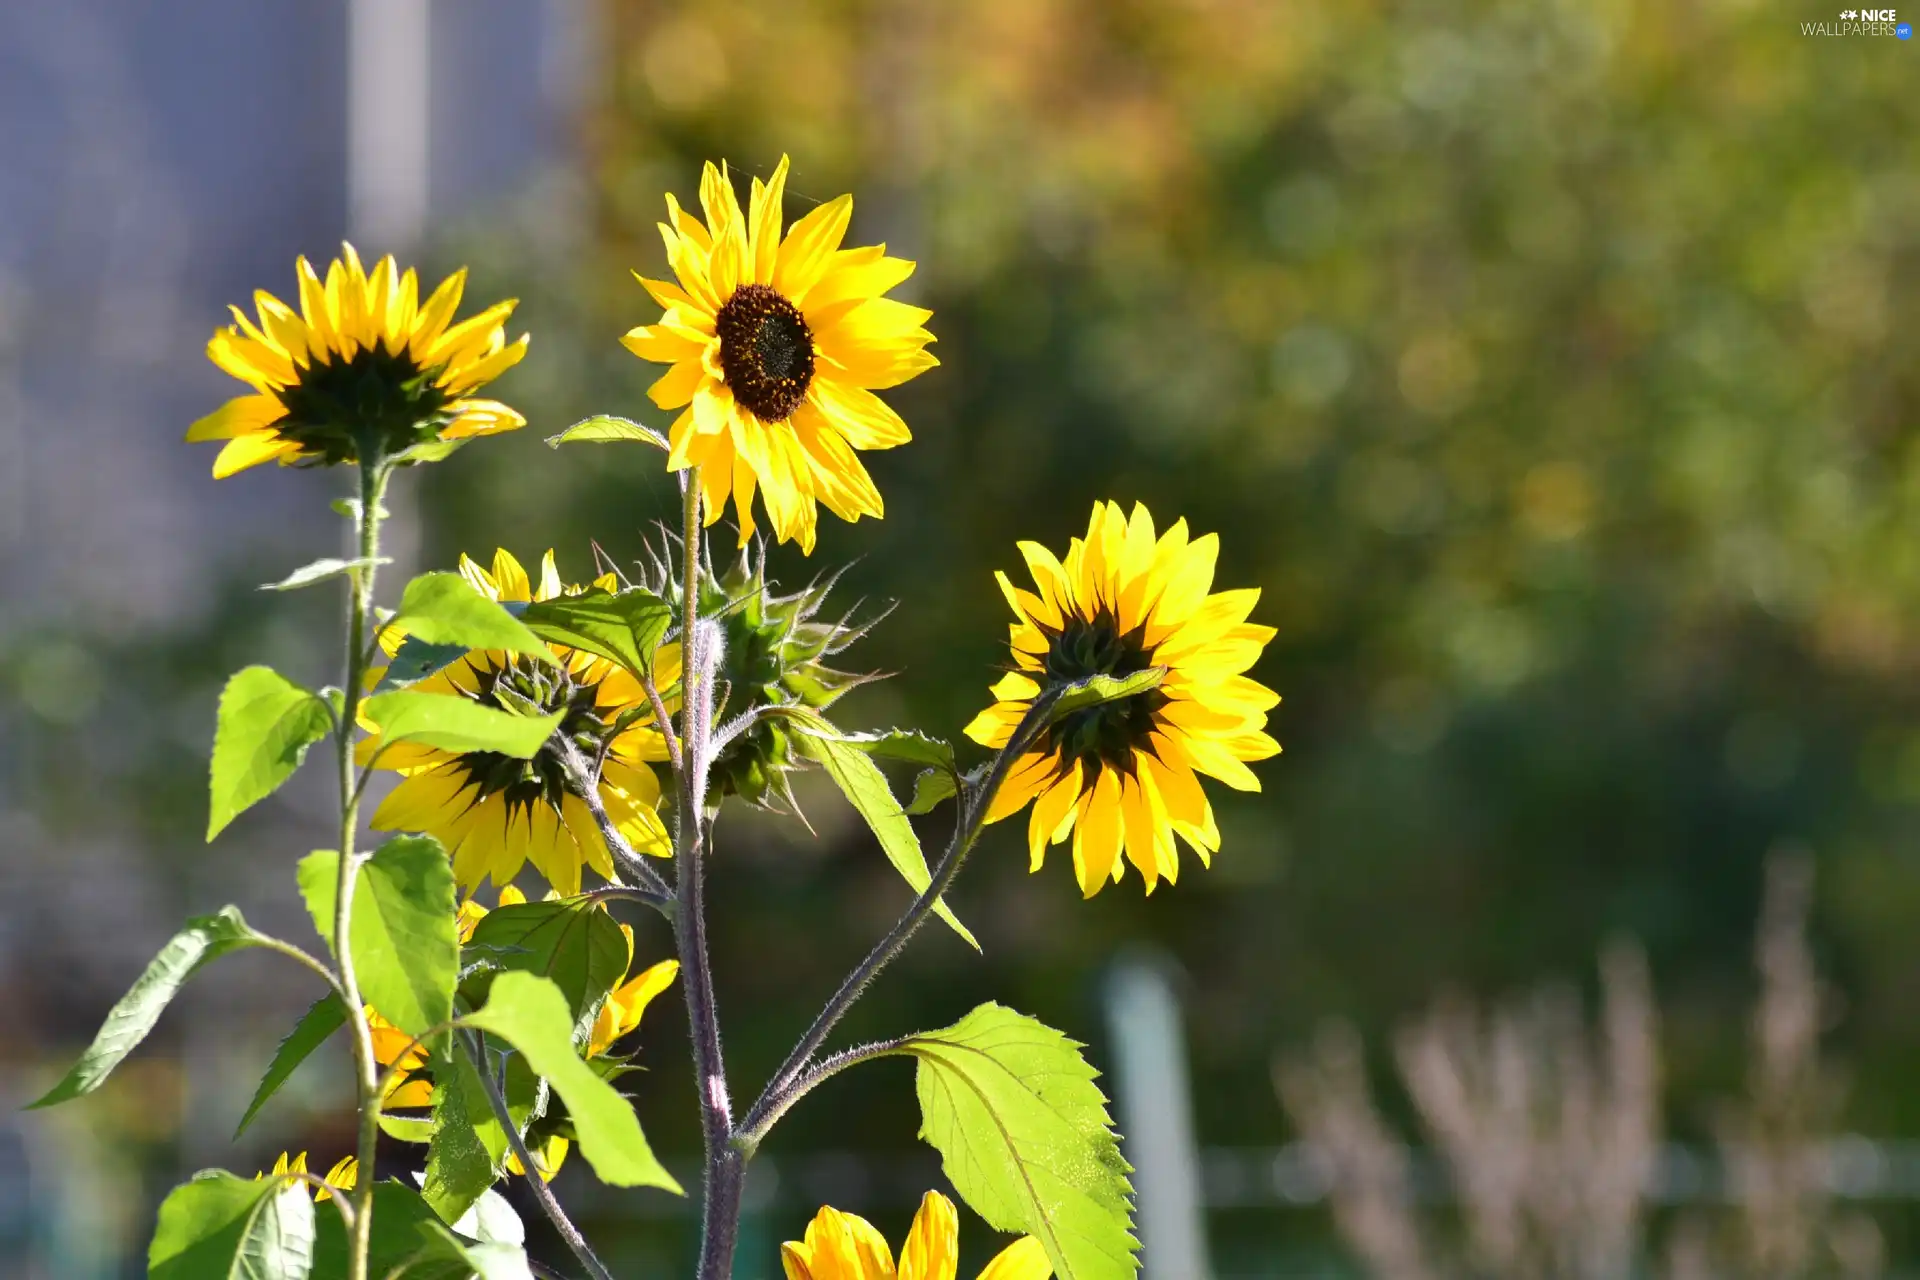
(777, 346)
(364, 371)
(1122, 775)
(495, 813)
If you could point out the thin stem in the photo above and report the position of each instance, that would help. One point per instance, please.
(295, 954)
(584, 783)
(807, 1082)
(774, 1100)
(720, 1211)
(373, 473)
(541, 1191)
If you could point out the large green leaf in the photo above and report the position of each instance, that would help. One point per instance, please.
(531, 1014)
(865, 787)
(576, 944)
(468, 1142)
(266, 724)
(128, 1022)
(624, 626)
(909, 745)
(219, 1227)
(1025, 1138)
(406, 950)
(318, 1023)
(607, 429)
(456, 723)
(444, 608)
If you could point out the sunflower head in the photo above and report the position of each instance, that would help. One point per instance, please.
(1121, 775)
(495, 812)
(776, 346)
(365, 371)
(775, 654)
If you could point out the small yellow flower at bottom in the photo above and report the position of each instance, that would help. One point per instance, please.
(342, 1177)
(841, 1246)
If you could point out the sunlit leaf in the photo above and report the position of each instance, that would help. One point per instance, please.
(531, 1014)
(608, 429)
(624, 626)
(205, 938)
(454, 723)
(321, 571)
(266, 724)
(406, 950)
(444, 608)
(1024, 1136)
(219, 1227)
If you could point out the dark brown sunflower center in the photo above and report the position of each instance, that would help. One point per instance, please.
(526, 687)
(766, 351)
(1108, 733)
(376, 402)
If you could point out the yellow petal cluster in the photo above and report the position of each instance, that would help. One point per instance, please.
(841, 1246)
(342, 1177)
(363, 346)
(776, 346)
(491, 828)
(1123, 777)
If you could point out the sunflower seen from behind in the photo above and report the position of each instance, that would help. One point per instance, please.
(776, 346)
(494, 813)
(1124, 776)
(364, 371)
(841, 1246)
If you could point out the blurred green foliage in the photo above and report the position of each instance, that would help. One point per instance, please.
(1551, 369)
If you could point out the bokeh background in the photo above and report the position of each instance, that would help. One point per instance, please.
(1550, 368)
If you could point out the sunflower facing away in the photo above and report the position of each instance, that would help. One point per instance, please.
(840, 1246)
(777, 346)
(1122, 775)
(363, 366)
(495, 813)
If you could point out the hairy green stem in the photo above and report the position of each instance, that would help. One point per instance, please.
(724, 1169)
(373, 473)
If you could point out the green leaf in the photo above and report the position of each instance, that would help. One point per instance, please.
(607, 429)
(468, 1142)
(1095, 690)
(316, 1025)
(406, 947)
(416, 660)
(492, 1221)
(929, 789)
(406, 1128)
(623, 626)
(455, 723)
(444, 608)
(321, 571)
(219, 1227)
(266, 725)
(1024, 1136)
(399, 1218)
(865, 787)
(576, 944)
(205, 938)
(531, 1014)
(910, 745)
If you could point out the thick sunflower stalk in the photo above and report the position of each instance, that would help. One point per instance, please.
(551, 745)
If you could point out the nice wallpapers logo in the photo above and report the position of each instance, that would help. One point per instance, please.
(1861, 22)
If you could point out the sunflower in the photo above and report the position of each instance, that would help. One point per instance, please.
(342, 1177)
(1121, 774)
(494, 813)
(777, 346)
(840, 1246)
(363, 371)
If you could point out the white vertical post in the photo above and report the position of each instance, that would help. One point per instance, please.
(389, 100)
(389, 153)
(1156, 1119)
